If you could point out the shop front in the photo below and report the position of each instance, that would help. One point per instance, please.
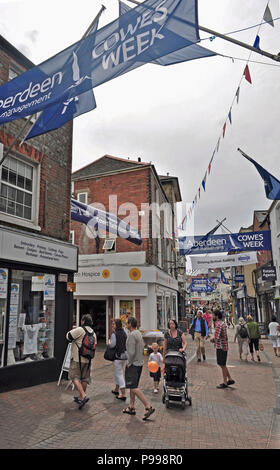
(144, 292)
(35, 307)
(266, 295)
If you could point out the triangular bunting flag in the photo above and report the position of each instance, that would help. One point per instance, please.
(224, 129)
(229, 116)
(204, 181)
(267, 16)
(209, 168)
(218, 144)
(199, 192)
(237, 94)
(257, 42)
(247, 75)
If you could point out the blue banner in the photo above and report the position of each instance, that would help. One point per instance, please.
(201, 285)
(182, 55)
(147, 32)
(58, 114)
(244, 241)
(101, 220)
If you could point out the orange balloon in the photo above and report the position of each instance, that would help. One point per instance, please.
(153, 366)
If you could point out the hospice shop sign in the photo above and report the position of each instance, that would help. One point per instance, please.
(142, 35)
(244, 241)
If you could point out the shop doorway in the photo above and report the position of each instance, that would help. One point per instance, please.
(97, 310)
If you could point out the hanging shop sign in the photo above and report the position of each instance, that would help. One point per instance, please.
(269, 273)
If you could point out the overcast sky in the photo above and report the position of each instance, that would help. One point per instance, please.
(174, 116)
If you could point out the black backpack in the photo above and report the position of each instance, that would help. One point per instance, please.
(243, 333)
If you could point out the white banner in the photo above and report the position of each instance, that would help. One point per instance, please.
(207, 262)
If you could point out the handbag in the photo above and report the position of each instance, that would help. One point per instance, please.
(110, 353)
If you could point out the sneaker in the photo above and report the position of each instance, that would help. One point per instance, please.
(155, 390)
(231, 382)
(222, 386)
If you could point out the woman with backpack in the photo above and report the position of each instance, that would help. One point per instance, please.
(242, 336)
(118, 341)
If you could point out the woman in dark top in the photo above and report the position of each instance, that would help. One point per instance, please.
(118, 341)
(174, 339)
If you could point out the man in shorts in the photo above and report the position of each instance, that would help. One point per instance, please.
(134, 350)
(79, 370)
(220, 341)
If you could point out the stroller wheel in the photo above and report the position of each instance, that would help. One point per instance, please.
(167, 403)
(190, 401)
(183, 404)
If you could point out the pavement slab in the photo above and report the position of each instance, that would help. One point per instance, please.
(243, 416)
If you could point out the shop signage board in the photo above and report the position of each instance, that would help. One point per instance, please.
(37, 250)
(269, 273)
(239, 278)
(66, 362)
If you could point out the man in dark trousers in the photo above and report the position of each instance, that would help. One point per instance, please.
(200, 332)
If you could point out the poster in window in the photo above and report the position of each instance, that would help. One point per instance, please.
(3, 283)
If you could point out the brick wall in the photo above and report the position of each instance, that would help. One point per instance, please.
(130, 187)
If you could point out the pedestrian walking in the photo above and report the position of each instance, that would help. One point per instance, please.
(208, 317)
(274, 333)
(242, 336)
(79, 370)
(133, 370)
(220, 341)
(254, 336)
(118, 341)
(156, 357)
(200, 332)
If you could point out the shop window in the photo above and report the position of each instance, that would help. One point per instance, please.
(126, 310)
(168, 307)
(161, 324)
(31, 317)
(3, 309)
(17, 188)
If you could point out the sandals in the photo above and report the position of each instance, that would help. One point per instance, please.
(148, 413)
(129, 410)
(114, 392)
(121, 398)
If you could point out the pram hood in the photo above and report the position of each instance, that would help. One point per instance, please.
(175, 358)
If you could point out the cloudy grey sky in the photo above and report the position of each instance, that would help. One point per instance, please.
(174, 116)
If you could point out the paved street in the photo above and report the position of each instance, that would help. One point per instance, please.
(244, 416)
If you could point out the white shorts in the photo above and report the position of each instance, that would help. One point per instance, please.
(275, 341)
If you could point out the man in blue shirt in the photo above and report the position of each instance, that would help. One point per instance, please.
(200, 332)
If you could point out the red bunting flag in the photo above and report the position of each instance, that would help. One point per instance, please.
(209, 168)
(199, 192)
(224, 129)
(247, 75)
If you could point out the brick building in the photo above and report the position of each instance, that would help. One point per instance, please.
(35, 253)
(117, 277)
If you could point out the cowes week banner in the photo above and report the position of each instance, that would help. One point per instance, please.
(151, 30)
(243, 241)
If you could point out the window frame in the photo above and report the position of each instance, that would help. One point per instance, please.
(15, 219)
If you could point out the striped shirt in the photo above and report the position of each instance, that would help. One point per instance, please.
(220, 338)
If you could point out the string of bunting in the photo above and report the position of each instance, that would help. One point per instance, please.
(267, 17)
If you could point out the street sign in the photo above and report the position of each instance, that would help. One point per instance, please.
(239, 278)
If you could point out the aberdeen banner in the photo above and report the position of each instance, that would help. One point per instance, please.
(243, 241)
(147, 32)
(98, 219)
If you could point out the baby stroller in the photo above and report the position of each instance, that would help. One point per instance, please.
(175, 382)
